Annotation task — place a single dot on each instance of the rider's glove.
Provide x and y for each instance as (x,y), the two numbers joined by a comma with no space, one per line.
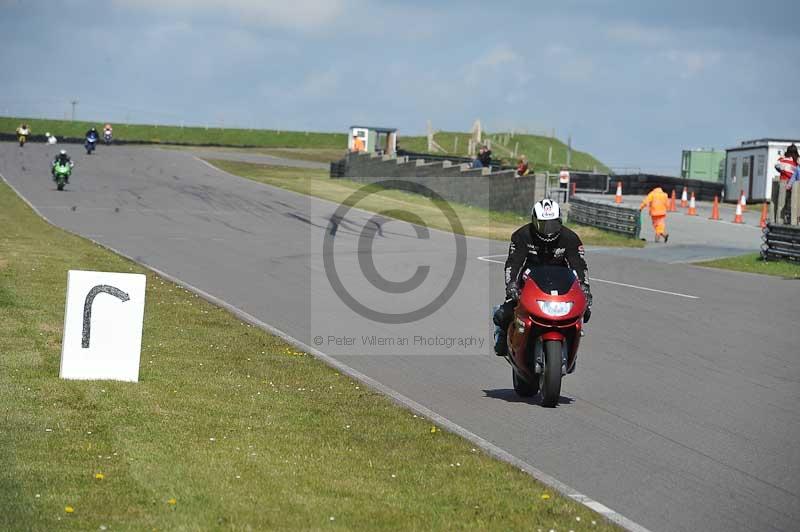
(588,312)
(512,292)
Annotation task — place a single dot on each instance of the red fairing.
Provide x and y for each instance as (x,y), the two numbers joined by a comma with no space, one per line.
(531,293)
(531,326)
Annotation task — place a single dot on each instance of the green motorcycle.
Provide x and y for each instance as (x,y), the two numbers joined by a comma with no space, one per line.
(61,173)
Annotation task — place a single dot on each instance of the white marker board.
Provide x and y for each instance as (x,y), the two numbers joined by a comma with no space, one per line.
(103,326)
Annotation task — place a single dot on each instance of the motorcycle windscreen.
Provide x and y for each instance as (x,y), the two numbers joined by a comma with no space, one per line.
(553,278)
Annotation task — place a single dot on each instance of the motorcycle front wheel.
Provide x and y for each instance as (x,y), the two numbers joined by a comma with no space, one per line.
(550,379)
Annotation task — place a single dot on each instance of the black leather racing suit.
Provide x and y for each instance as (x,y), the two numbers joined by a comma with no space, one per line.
(527,250)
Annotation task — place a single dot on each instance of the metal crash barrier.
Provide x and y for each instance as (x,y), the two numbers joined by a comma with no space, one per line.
(781,242)
(622,220)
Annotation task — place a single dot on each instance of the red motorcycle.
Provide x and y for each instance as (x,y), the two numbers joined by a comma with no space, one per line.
(544,336)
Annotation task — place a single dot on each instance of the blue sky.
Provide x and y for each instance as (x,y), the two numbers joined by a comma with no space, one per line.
(632,82)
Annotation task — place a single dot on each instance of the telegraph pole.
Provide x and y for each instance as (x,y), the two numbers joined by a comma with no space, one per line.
(74,103)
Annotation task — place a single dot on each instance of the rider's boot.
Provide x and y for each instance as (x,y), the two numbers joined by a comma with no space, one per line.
(500,344)
(500,341)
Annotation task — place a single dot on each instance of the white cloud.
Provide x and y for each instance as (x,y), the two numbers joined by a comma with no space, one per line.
(295,14)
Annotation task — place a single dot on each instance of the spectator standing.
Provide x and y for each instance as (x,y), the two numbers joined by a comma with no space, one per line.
(787,164)
(522,167)
(358,144)
(485,157)
(787,168)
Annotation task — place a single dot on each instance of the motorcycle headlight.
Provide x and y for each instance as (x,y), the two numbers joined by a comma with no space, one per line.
(555,308)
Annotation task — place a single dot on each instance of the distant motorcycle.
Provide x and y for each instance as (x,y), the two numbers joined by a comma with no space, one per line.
(22,137)
(61,173)
(91,144)
(107,138)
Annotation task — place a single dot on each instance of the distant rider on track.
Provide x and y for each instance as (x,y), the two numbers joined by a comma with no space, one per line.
(544,241)
(61,158)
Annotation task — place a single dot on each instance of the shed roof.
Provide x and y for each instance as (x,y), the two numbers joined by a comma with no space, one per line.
(760,143)
(378,129)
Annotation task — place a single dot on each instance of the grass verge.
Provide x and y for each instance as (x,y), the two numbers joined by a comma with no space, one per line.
(229,428)
(318,155)
(476,222)
(752,263)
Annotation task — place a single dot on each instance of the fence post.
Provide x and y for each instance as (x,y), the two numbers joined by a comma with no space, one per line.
(780,204)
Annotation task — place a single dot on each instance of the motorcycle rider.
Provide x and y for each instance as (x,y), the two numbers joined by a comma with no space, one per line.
(92,133)
(544,241)
(23,130)
(61,158)
(108,131)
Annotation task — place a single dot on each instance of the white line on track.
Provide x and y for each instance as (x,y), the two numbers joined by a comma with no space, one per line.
(490,258)
(490,448)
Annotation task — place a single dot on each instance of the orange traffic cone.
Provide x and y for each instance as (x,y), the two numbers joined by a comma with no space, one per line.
(743,201)
(684,199)
(763,222)
(738,218)
(692,207)
(715,209)
(671,207)
(618,197)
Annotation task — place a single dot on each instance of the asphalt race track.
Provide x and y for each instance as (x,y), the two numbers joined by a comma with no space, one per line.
(682,415)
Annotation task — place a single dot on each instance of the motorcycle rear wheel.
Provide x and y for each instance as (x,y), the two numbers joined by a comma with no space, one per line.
(523,387)
(550,379)
(60,185)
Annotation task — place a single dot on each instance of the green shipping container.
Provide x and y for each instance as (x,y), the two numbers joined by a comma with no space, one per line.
(706,165)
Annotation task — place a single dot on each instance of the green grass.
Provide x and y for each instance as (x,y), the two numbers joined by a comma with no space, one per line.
(187,135)
(319,155)
(476,222)
(229,428)
(753,263)
(534,146)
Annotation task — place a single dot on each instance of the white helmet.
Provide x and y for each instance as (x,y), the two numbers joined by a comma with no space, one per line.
(63,152)
(546,219)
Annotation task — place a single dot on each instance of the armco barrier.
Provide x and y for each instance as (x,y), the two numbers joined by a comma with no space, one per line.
(781,242)
(641,184)
(433,157)
(622,220)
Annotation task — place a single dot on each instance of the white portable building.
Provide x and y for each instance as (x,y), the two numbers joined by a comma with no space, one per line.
(750,167)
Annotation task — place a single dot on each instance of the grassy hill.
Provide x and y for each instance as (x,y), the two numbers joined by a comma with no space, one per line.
(453,143)
(503,145)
